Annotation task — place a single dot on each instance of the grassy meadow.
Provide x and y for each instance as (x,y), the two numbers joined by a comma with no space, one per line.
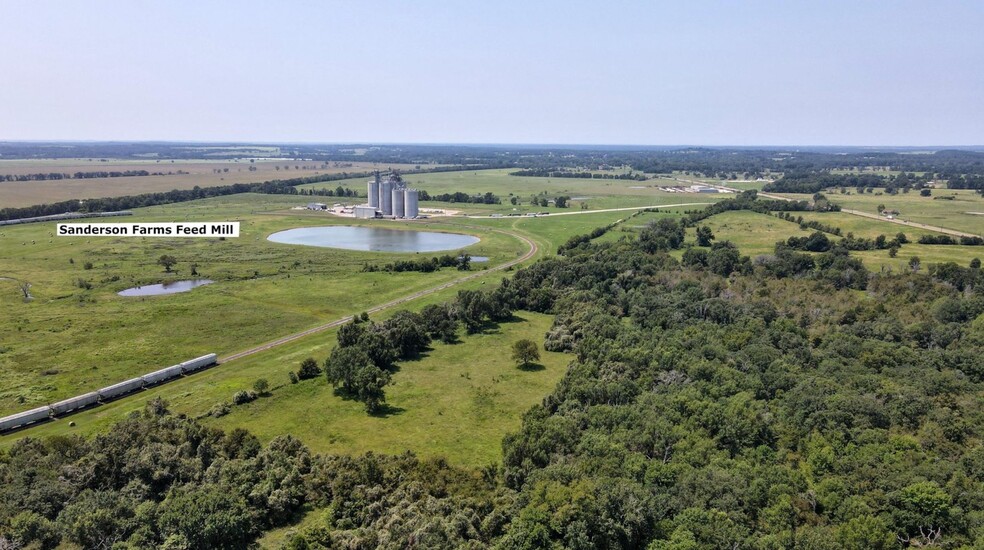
(933,211)
(597,194)
(68,339)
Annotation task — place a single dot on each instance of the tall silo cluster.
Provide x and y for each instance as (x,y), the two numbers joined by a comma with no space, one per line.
(392,197)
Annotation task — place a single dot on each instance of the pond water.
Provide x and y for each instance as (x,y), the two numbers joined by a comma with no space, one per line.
(479,259)
(172,287)
(373,239)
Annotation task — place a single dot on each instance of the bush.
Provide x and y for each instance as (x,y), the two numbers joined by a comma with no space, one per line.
(242,397)
(219,410)
(309,369)
(293,377)
(261,386)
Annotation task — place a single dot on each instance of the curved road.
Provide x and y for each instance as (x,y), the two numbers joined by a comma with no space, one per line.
(338,322)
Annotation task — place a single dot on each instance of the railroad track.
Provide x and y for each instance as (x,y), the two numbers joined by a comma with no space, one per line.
(533,249)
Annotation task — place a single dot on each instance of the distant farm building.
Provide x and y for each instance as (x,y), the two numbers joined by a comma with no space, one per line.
(317,206)
(365,211)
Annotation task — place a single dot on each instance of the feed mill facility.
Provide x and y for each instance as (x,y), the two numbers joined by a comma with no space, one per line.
(389,198)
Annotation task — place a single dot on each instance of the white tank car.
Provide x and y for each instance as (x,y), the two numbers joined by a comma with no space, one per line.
(24,418)
(121,388)
(75,403)
(161,375)
(199,362)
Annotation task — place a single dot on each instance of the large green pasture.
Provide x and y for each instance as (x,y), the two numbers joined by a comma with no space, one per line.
(69,340)
(596,193)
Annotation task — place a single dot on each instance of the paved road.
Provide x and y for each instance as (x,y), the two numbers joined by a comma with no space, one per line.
(553,214)
(338,322)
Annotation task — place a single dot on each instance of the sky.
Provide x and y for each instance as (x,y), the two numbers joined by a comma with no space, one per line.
(438,71)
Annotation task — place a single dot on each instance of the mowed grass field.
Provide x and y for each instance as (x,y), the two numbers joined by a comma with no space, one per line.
(184,174)
(69,340)
(596,193)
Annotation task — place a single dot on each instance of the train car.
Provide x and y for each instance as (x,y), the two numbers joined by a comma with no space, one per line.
(162,375)
(24,418)
(199,362)
(122,388)
(74,403)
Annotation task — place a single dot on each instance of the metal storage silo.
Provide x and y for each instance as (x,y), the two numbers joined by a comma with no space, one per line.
(398,201)
(386,197)
(411,208)
(373,193)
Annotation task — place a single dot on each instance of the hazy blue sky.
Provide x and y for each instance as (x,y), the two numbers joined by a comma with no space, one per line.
(687,72)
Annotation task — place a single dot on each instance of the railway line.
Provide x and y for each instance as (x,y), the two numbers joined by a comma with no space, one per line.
(533,249)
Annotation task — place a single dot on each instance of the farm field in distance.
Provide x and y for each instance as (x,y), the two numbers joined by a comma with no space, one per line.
(184,174)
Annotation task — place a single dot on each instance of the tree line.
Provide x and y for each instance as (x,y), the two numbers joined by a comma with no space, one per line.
(581,174)
(458,196)
(81,175)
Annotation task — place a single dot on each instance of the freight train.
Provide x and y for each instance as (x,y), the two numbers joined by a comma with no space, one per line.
(110,392)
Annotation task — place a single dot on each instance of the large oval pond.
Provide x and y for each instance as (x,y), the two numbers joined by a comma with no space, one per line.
(373,239)
(172,287)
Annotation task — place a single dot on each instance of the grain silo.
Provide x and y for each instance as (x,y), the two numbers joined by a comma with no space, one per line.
(386,197)
(374,193)
(398,201)
(411,208)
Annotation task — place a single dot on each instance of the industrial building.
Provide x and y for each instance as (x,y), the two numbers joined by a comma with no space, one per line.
(389,198)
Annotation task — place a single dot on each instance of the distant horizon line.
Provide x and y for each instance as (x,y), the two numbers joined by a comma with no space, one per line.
(935,147)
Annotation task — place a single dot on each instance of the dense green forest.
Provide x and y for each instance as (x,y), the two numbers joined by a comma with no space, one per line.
(791,401)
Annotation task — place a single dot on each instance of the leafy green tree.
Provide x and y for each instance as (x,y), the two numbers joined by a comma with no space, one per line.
(261,386)
(30,528)
(379,348)
(723,258)
(661,235)
(209,517)
(369,383)
(309,369)
(343,364)
(704,236)
(167,262)
(349,333)
(525,352)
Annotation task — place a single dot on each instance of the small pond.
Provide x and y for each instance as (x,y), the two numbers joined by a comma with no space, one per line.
(479,259)
(373,239)
(172,287)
